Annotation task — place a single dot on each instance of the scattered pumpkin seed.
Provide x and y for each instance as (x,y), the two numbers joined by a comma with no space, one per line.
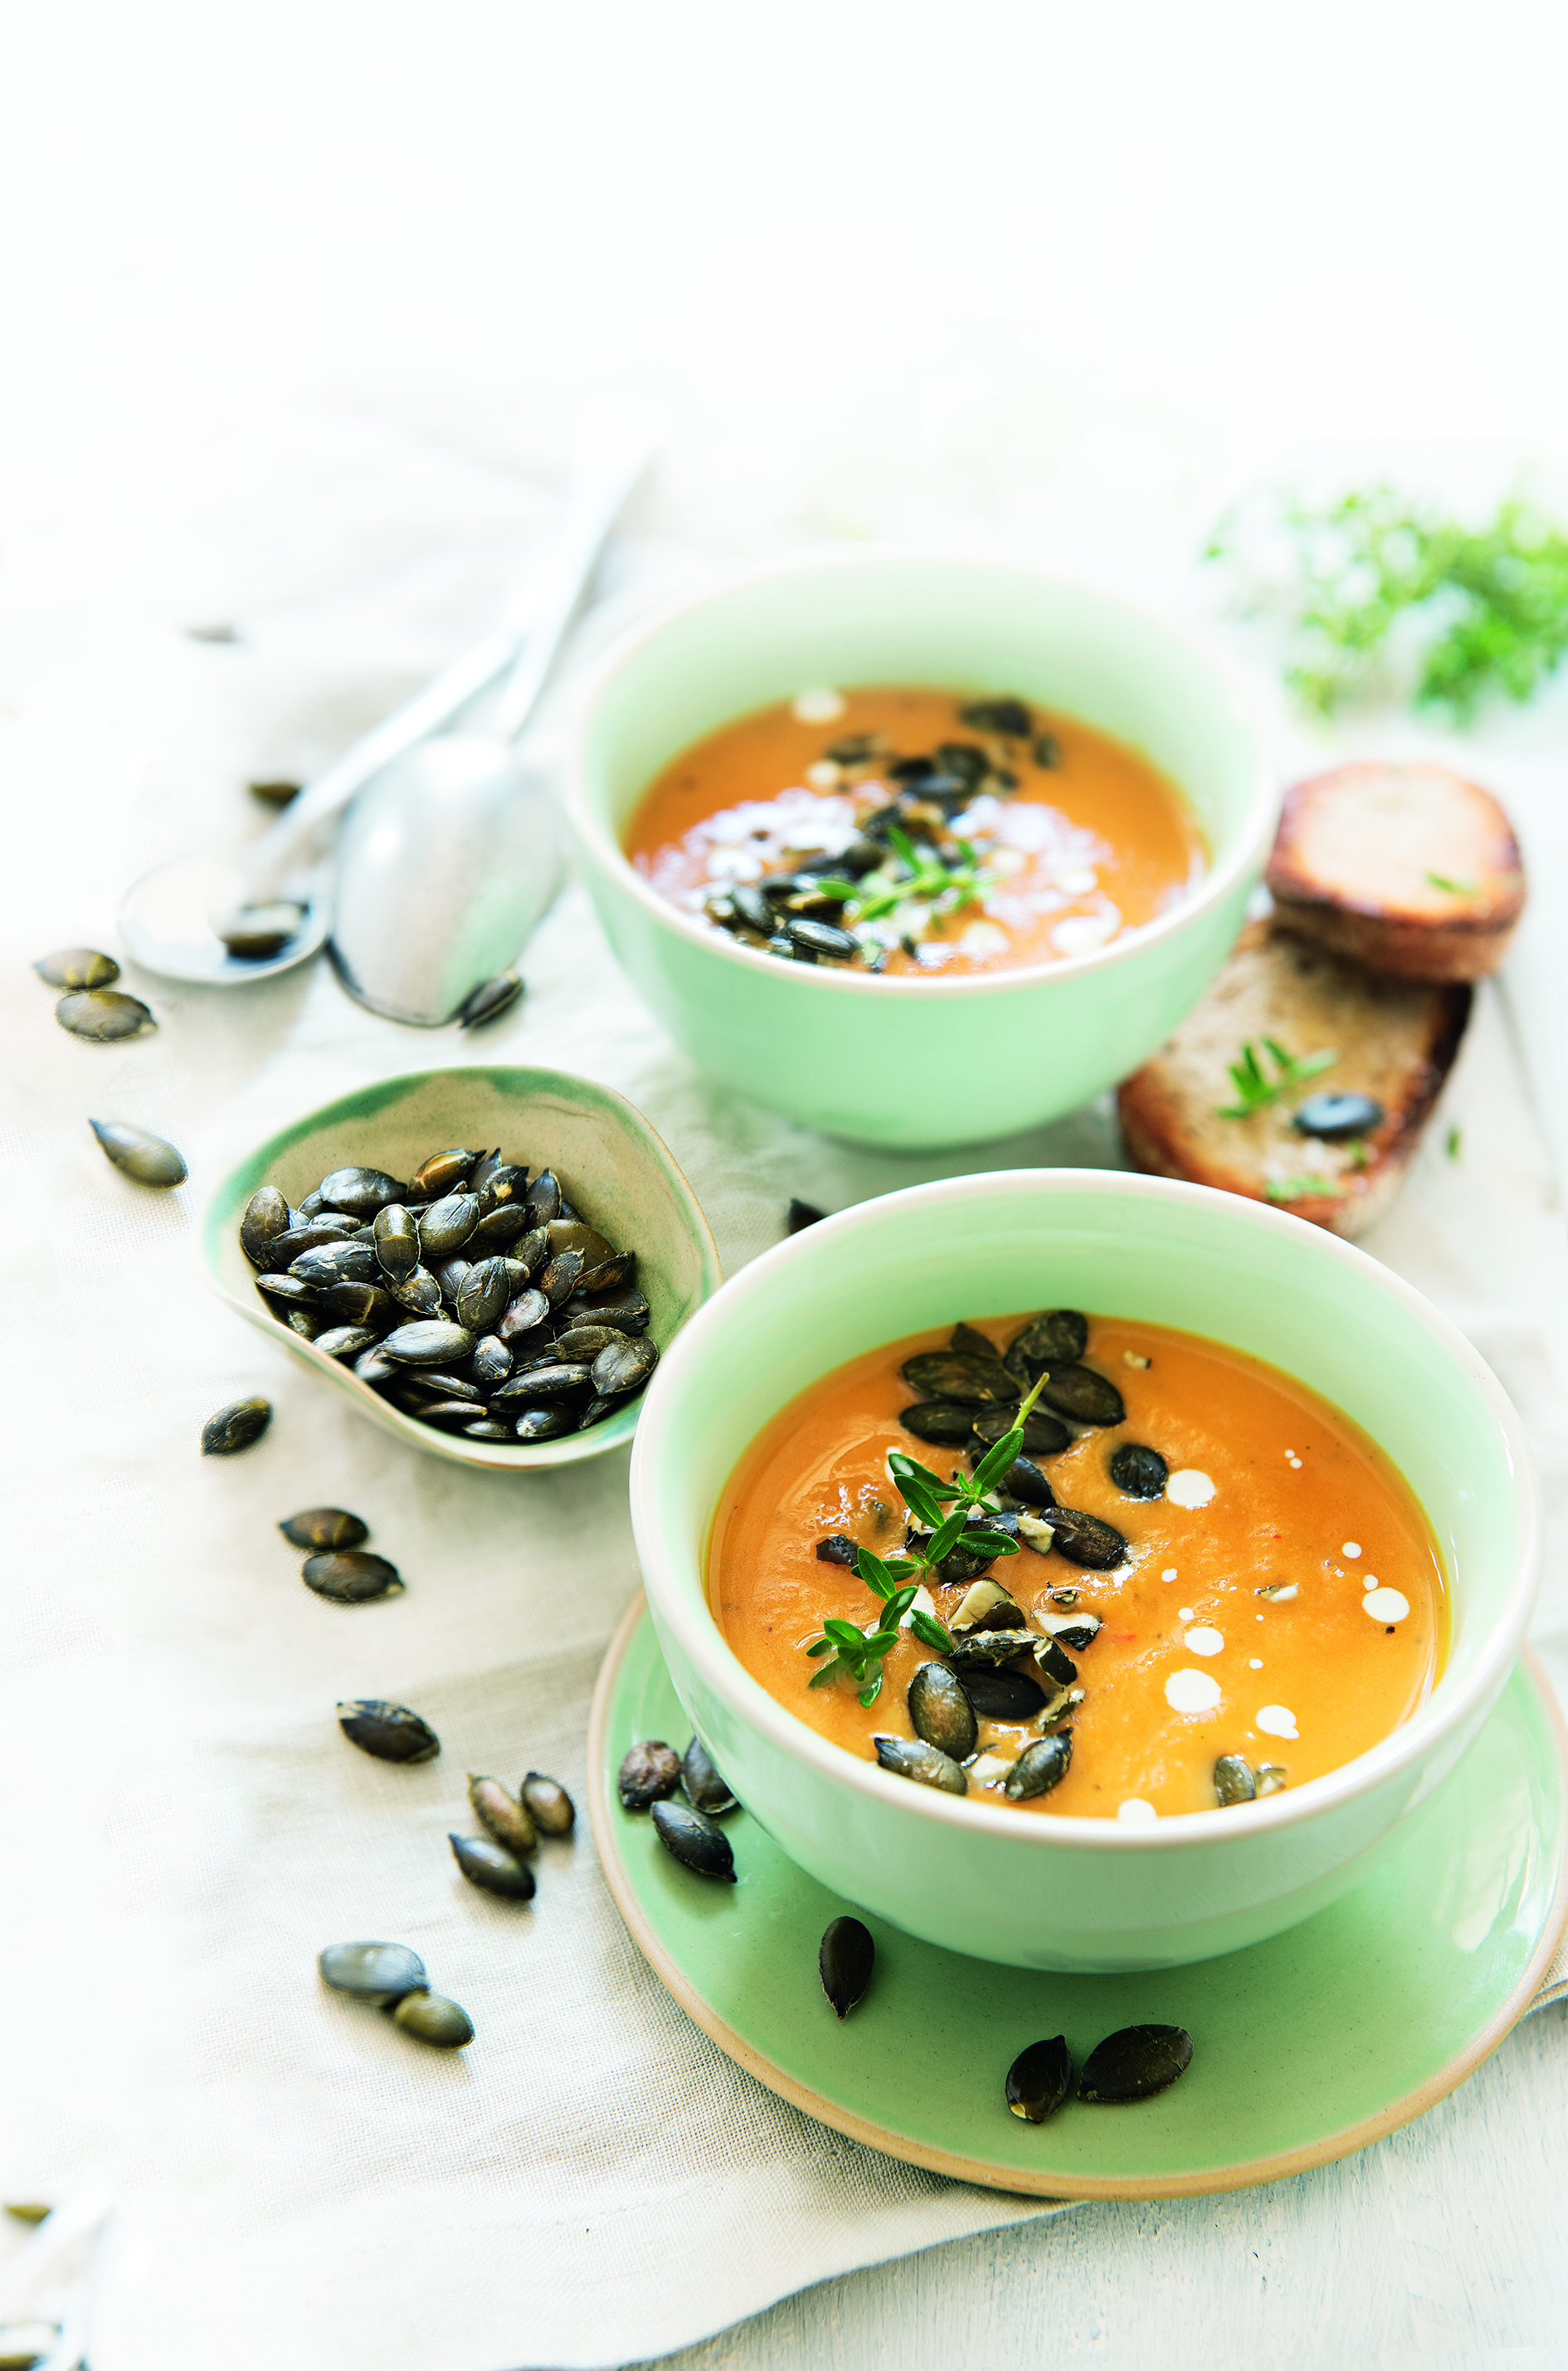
(844,1959)
(432,2018)
(103,1014)
(145,1158)
(1134,2063)
(1040,2079)
(392,1732)
(78,967)
(492,1868)
(235,1427)
(694,1839)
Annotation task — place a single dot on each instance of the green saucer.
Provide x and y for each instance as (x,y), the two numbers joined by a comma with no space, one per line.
(1305,2047)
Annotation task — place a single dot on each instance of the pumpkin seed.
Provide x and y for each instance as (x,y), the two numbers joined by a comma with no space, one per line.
(392,1732)
(1038,1767)
(549,1805)
(1040,2079)
(926,1764)
(78,967)
(651,1771)
(701,1785)
(845,1957)
(101,1015)
(694,1840)
(508,1820)
(491,1867)
(145,1158)
(1233,1780)
(1134,2063)
(940,1712)
(374,1973)
(432,2018)
(235,1427)
(351,1575)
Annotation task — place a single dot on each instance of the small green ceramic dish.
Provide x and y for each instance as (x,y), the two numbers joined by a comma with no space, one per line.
(1077,1893)
(841,1050)
(1306,2048)
(618,1172)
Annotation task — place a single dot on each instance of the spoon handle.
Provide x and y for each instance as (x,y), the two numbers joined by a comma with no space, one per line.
(613,447)
(290,842)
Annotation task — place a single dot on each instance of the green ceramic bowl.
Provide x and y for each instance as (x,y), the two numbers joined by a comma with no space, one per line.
(841,1050)
(618,1172)
(1079,1893)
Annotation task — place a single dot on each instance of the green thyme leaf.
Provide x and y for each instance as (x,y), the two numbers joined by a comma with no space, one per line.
(1255,1090)
(1485,606)
(931,1633)
(1297,1189)
(1451,888)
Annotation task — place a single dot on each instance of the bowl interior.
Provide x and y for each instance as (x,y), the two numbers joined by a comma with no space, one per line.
(892,617)
(614,1167)
(1174,1255)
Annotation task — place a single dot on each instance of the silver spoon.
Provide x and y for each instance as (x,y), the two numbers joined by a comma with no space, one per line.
(451,856)
(169,919)
(173,920)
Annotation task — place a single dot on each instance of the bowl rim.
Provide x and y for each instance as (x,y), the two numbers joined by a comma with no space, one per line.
(1253,838)
(489,1456)
(701,1639)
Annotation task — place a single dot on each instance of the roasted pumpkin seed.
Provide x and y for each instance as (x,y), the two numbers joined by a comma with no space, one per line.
(926,1765)
(392,1732)
(103,1014)
(491,1867)
(78,967)
(549,1805)
(351,1575)
(1038,1767)
(940,1712)
(651,1771)
(694,1840)
(432,2018)
(1134,2063)
(701,1785)
(846,1958)
(374,1973)
(148,1159)
(1040,2079)
(1233,1780)
(235,1427)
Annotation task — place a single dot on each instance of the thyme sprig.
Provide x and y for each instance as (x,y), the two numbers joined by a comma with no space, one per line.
(943,1508)
(1255,1090)
(1354,581)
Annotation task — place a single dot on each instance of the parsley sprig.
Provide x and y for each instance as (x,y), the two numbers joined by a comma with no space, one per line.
(1255,1090)
(944,1508)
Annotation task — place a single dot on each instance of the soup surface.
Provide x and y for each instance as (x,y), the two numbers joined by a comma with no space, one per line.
(1280,1601)
(903,830)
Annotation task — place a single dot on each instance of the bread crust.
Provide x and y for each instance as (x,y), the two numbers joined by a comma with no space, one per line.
(1396,1041)
(1409,869)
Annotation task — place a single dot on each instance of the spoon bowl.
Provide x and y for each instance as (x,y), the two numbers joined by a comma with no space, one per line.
(166,922)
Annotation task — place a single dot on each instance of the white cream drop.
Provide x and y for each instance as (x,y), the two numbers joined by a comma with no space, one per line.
(823,774)
(1169,1573)
(1254,1662)
(1189,1487)
(1279,1720)
(1384,1606)
(984,939)
(1192,1692)
(820,704)
(1205,1641)
(1137,1812)
(1081,935)
(1186,1614)
(1352,1548)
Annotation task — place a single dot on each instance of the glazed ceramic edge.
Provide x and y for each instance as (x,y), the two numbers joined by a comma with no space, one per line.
(1231,1875)
(219,1220)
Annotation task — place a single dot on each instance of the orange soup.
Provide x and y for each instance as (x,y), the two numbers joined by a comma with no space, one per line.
(916,831)
(1227,1587)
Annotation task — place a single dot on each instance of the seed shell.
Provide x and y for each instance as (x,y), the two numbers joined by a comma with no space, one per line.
(432,2018)
(489,1000)
(325,1527)
(78,967)
(374,1973)
(650,1772)
(1040,2079)
(846,1958)
(491,1867)
(701,1785)
(694,1840)
(392,1732)
(509,1821)
(350,1577)
(926,1765)
(235,1427)
(1134,2063)
(1038,1767)
(940,1712)
(103,1014)
(148,1159)
(553,1811)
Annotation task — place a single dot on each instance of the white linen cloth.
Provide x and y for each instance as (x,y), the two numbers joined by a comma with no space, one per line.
(184,1826)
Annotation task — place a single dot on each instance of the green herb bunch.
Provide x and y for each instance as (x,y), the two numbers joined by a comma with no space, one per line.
(1486,608)
(859,1656)
(1255,1090)
(929,882)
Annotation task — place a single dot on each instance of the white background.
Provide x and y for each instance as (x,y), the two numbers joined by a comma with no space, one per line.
(1060,279)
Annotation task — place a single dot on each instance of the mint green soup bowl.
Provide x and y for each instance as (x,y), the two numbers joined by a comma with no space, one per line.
(856,1055)
(971,1873)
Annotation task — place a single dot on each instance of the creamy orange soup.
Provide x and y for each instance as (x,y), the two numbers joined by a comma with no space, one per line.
(1281,1601)
(1029,845)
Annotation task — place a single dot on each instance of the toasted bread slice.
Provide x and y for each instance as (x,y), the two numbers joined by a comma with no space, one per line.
(1409,868)
(1394,1042)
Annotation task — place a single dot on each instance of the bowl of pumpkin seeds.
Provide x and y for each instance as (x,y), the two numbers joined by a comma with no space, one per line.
(489,1262)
